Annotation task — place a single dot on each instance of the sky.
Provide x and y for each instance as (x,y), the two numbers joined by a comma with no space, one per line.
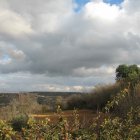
(66,45)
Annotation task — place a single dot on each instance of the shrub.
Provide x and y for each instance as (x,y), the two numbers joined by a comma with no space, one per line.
(6,131)
(97,99)
(76,101)
(19,122)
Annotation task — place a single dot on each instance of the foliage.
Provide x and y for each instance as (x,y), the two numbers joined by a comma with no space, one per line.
(103,128)
(6,131)
(19,122)
(95,100)
(128,74)
(115,128)
(116,100)
(21,104)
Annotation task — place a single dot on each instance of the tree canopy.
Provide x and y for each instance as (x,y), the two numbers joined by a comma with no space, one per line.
(128,74)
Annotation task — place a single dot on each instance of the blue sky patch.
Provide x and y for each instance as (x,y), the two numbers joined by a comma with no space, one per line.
(113,1)
(5,57)
(80,4)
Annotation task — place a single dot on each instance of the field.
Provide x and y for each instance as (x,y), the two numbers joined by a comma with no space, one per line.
(85,117)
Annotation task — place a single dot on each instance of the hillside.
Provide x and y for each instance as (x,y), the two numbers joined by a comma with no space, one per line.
(42,97)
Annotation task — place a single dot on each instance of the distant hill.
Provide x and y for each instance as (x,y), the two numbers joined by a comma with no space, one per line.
(42,97)
(56,93)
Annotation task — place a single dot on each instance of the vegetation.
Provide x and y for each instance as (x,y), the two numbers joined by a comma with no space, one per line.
(95,100)
(45,100)
(109,123)
(129,78)
(128,74)
(19,122)
(102,128)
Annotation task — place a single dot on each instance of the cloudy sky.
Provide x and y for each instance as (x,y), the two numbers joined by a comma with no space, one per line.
(66,45)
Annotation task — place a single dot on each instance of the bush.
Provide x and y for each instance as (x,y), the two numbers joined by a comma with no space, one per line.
(19,122)
(97,99)
(76,101)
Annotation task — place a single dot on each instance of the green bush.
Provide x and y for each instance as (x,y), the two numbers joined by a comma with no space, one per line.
(19,122)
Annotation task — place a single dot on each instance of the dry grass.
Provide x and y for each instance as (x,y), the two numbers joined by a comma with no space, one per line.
(85,117)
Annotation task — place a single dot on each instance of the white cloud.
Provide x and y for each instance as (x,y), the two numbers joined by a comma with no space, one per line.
(13,24)
(103,70)
(62,88)
(102,11)
(16,54)
(71,50)
(9,52)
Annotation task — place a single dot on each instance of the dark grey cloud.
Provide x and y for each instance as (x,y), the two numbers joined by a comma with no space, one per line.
(49,38)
